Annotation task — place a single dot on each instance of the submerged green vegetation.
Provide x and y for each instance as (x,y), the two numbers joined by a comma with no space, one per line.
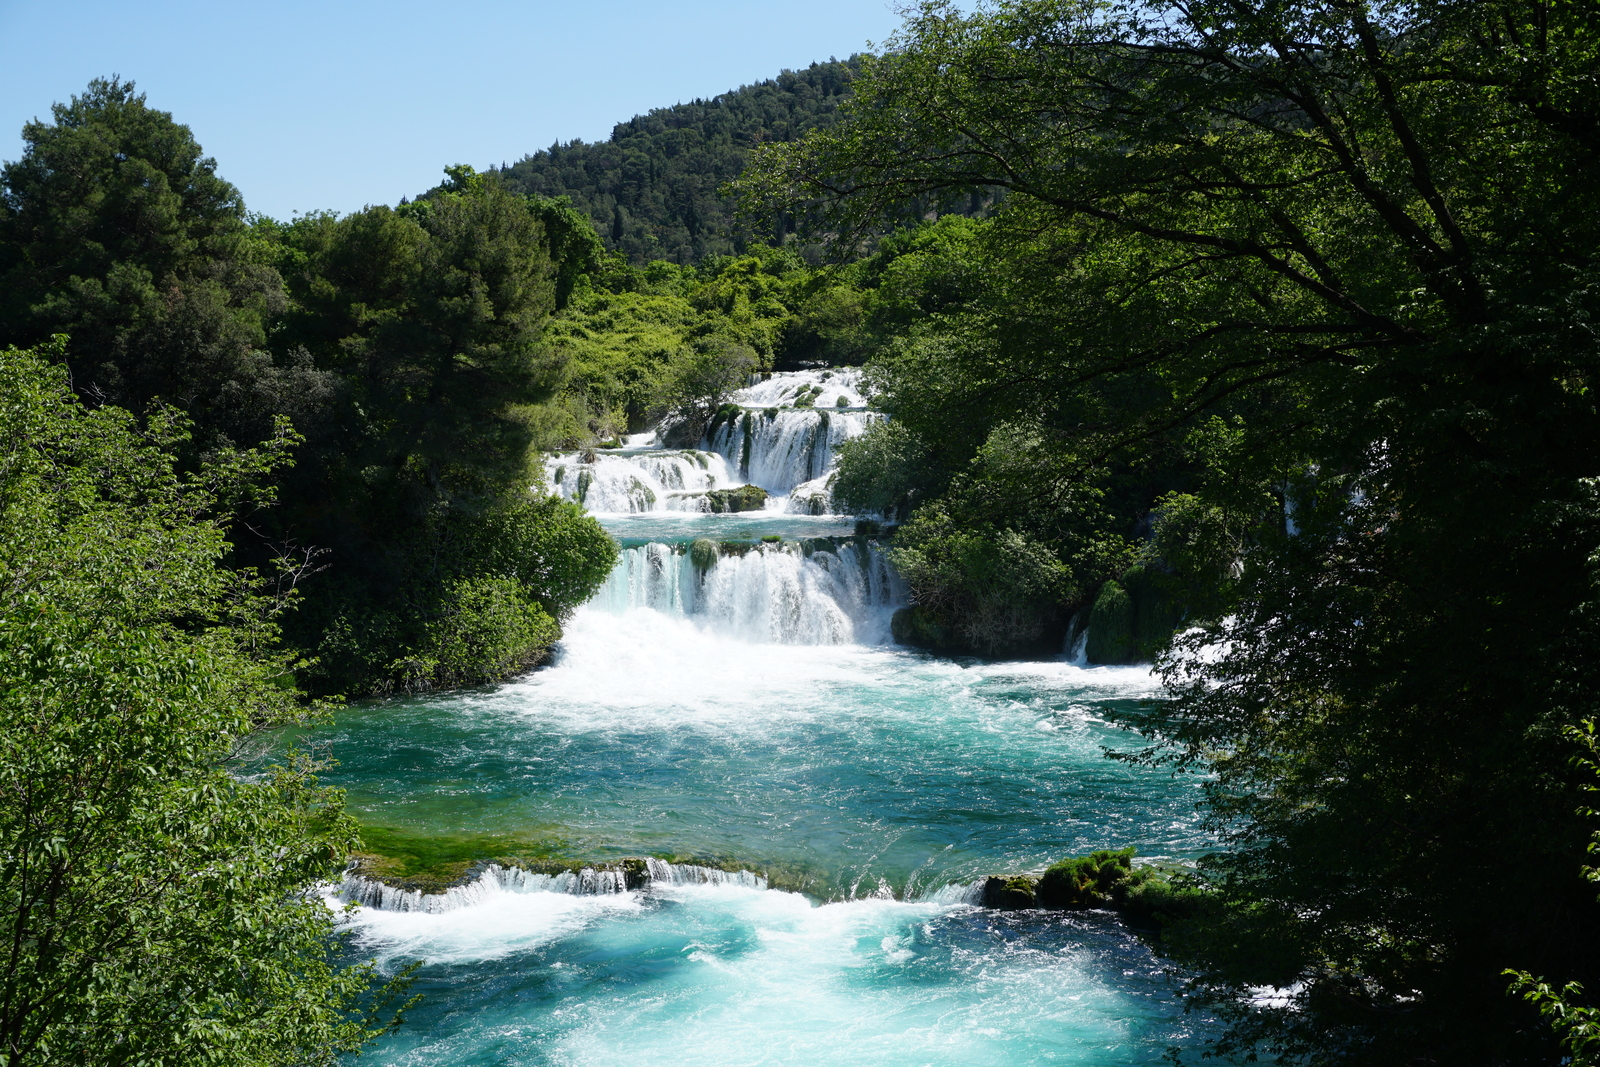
(432,863)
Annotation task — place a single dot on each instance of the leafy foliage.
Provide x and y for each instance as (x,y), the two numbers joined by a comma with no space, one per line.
(1307,290)
(1096,880)
(114,229)
(154,892)
(406,347)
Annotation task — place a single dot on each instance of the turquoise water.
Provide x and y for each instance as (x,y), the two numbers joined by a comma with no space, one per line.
(871,778)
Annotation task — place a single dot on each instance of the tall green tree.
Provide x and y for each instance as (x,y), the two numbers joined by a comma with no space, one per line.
(433,317)
(116,230)
(1340,255)
(406,349)
(156,881)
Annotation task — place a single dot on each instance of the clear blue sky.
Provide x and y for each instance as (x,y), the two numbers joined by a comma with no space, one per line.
(342,103)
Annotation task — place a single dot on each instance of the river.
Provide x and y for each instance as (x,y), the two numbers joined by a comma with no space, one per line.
(748,711)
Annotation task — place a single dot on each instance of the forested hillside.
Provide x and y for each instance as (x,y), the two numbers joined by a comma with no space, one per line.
(653,188)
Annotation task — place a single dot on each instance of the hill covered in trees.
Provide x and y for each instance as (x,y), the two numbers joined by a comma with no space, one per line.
(652,189)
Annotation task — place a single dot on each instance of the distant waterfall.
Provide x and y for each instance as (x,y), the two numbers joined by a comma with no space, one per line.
(782,449)
(783,436)
(623,483)
(818,592)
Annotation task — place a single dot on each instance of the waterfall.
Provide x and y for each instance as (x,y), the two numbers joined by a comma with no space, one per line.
(622,483)
(956,893)
(780,433)
(819,592)
(664,873)
(782,449)
(817,388)
(496,880)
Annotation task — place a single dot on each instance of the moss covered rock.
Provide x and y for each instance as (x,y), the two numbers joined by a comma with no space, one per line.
(1100,879)
(744,498)
(635,873)
(1111,626)
(1156,902)
(1155,615)
(433,863)
(1010,893)
(1131,618)
(703,553)
(812,545)
(917,627)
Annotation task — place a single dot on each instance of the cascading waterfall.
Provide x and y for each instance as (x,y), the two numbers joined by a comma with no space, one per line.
(731,690)
(664,873)
(624,483)
(770,442)
(818,592)
(788,451)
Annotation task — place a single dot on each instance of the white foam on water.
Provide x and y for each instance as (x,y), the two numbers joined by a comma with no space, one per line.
(644,669)
(492,882)
(665,875)
(770,978)
(494,926)
(628,482)
(786,450)
(970,893)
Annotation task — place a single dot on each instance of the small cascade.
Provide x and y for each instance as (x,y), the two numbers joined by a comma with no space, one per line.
(956,893)
(780,433)
(624,483)
(664,873)
(822,389)
(817,592)
(497,880)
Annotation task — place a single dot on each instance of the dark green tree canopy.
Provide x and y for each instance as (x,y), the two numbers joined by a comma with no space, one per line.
(652,189)
(117,231)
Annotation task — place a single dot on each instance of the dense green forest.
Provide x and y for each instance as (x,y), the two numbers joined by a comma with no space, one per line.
(397,350)
(653,189)
(1287,323)
(154,870)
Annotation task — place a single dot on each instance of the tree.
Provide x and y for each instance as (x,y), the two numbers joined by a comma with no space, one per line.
(433,315)
(1340,256)
(115,229)
(155,887)
(407,350)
